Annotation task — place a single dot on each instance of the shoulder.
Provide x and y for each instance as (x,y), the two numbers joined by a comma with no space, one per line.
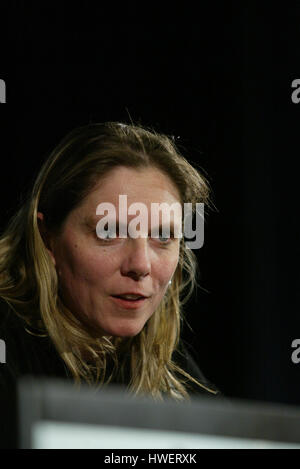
(11,326)
(10,336)
(185,357)
(26,352)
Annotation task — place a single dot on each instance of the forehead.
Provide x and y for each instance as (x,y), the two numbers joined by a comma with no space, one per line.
(139,185)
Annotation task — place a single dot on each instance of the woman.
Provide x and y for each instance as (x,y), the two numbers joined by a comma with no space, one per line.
(63,285)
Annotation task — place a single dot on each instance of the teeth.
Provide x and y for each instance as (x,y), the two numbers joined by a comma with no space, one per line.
(130,297)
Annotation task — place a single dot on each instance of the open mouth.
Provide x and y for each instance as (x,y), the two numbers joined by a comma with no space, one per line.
(128,298)
(129,303)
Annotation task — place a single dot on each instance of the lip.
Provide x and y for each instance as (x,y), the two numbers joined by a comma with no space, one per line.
(129,304)
(137,293)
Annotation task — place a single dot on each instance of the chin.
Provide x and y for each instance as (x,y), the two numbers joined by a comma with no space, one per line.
(124,330)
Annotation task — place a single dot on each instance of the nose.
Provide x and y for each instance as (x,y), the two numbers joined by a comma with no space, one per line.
(136,262)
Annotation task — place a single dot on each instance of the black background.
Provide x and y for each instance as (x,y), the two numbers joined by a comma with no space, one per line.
(219,77)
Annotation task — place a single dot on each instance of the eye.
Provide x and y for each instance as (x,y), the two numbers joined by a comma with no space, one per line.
(106,235)
(163,240)
(164,236)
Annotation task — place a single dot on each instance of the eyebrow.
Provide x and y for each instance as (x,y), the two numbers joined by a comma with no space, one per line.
(91,222)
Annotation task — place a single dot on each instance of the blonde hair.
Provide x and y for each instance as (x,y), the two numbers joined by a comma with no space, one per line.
(28,278)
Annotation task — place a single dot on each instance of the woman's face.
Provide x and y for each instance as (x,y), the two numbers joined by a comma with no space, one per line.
(92,270)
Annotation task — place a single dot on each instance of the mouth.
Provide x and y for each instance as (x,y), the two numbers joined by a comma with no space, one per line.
(129,303)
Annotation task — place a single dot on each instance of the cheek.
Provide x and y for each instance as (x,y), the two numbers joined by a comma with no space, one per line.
(79,264)
(166,267)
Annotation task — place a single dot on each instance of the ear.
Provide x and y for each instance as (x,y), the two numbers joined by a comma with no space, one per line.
(45,235)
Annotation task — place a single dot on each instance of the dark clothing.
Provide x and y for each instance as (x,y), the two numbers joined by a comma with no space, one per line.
(28,354)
